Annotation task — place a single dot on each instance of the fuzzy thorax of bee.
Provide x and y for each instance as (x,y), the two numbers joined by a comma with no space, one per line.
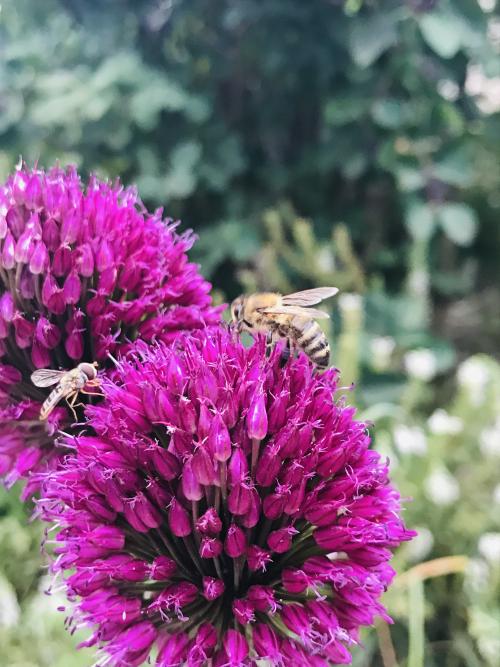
(287,317)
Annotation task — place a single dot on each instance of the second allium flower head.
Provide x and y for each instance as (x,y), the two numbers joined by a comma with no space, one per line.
(223,508)
(84,270)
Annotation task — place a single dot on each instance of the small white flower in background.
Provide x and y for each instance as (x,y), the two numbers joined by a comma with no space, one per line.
(421,545)
(9,607)
(473,375)
(477,575)
(442,423)
(485,89)
(349,302)
(421,364)
(487,5)
(418,282)
(448,89)
(410,440)
(496,494)
(441,487)
(325,259)
(489,547)
(489,440)
(381,349)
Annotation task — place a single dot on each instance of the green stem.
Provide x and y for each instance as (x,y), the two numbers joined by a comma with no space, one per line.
(416,628)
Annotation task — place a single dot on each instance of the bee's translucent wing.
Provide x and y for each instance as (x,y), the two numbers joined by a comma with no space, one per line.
(309,297)
(46,377)
(310,313)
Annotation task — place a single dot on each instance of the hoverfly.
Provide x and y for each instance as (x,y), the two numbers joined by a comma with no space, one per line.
(69,385)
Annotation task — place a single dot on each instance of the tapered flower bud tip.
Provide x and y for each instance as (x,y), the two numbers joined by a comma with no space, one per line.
(85,261)
(267,643)
(240,499)
(190,486)
(72,288)
(178,520)
(244,611)
(175,374)
(162,568)
(212,588)
(132,644)
(219,439)
(257,418)
(238,467)
(210,547)
(281,540)
(210,523)
(258,558)
(236,647)
(173,651)
(7,307)
(235,544)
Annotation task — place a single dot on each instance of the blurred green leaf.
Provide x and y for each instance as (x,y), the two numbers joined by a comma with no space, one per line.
(442,32)
(456,167)
(181,178)
(409,178)
(459,222)
(226,241)
(342,110)
(371,36)
(387,113)
(416,623)
(420,220)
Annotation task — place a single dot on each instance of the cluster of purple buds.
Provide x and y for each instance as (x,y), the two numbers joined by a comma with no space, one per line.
(222,509)
(84,271)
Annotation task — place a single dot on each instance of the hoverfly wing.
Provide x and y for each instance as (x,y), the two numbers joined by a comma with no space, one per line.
(310,313)
(46,377)
(309,297)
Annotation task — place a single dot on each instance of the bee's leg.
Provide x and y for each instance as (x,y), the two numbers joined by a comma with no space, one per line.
(285,353)
(269,343)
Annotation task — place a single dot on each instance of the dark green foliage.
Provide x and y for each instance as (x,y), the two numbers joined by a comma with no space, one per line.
(219,110)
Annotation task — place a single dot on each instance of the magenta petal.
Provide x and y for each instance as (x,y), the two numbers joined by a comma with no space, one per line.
(236,647)
(209,523)
(235,542)
(212,588)
(257,418)
(178,519)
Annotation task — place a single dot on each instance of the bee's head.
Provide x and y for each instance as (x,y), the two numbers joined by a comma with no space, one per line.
(237,311)
(90,370)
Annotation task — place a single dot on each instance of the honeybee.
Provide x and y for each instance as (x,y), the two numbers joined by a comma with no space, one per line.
(288,317)
(69,385)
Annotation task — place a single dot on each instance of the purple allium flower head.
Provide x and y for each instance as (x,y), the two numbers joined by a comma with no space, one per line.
(246,497)
(84,270)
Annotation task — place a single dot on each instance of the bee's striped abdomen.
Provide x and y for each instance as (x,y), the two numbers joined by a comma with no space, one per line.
(314,343)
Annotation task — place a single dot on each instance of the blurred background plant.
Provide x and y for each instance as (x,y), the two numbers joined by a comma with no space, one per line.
(352,143)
